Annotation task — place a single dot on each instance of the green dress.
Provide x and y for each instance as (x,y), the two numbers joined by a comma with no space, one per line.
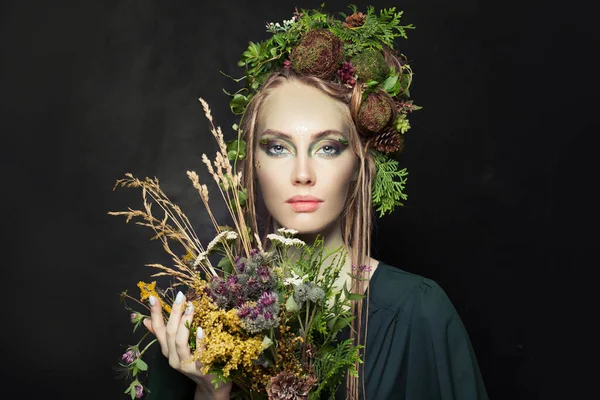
(417,346)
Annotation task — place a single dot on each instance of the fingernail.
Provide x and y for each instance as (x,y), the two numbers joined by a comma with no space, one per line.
(151,300)
(179,298)
(200,333)
(189,309)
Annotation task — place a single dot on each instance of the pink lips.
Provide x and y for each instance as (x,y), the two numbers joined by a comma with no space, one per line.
(304,203)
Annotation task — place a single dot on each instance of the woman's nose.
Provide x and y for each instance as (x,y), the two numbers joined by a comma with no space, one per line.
(303,173)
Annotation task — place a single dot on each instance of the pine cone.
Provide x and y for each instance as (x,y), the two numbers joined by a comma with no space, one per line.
(288,386)
(355,20)
(389,141)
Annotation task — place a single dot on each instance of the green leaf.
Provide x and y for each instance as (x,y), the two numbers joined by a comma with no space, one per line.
(266,343)
(355,296)
(331,323)
(279,40)
(236,150)
(225,265)
(238,103)
(131,389)
(242,194)
(137,324)
(388,186)
(346,291)
(141,364)
(341,323)
(390,82)
(291,304)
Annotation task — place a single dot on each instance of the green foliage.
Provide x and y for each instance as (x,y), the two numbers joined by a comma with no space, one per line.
(260,58)
(219,378)
(331,365)
(402,124)
(388,187)
(236,150)
(320,322)
(225,265)
(378,30)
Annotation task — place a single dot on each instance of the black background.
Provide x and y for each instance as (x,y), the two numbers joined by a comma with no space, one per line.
(500,186)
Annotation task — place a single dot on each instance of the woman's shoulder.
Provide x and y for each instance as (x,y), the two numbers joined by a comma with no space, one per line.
(412,294)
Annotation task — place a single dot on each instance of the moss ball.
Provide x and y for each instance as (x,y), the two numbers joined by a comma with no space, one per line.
(370,65)
(319,53)
(375,112)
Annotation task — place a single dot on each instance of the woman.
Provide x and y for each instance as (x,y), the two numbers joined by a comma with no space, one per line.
(310,158)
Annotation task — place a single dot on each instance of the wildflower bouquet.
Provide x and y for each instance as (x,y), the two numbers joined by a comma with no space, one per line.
(271,314)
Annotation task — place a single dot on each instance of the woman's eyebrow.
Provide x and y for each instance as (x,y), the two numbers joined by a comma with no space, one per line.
(313,137)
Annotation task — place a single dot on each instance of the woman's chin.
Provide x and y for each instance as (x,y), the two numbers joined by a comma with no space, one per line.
(305,225)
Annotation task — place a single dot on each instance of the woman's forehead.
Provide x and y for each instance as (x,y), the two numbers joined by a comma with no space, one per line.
(298,109)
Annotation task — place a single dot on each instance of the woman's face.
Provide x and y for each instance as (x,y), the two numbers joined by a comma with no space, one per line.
(303,161)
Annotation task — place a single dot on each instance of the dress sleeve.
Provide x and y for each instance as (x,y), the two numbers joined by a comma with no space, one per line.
(166,383)
(455,364)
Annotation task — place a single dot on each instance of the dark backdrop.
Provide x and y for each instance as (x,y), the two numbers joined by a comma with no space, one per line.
(499,203)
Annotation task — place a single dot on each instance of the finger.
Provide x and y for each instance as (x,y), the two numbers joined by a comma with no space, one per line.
(199,337)
(158,324)
(199,344)
(173,327)
(182,344)
(148,324)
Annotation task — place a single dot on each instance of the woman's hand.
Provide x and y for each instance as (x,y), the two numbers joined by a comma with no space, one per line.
(174,342)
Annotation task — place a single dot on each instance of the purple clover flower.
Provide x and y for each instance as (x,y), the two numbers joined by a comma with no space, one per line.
(252,287)
(254,313)
(240,266)
(130,355)
(267,298)
(264,273)
(361,268)
(232,280)
(221,288)
(139,391)
(244,311)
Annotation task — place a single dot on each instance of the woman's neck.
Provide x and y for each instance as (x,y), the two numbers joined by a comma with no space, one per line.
(332,240)
(332,236)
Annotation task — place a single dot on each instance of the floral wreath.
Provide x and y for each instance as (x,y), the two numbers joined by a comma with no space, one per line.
(349,51)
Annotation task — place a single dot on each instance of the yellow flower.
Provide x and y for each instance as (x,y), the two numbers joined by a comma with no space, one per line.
(188,257)
(146,290)
(149,289)
(224,342)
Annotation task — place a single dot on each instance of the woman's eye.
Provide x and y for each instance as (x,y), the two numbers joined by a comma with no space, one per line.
(328,150)
(276,149)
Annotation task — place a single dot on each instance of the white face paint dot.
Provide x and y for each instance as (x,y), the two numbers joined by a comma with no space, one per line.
(301,130)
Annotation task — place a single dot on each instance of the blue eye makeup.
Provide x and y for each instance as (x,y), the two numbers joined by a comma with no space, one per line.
(273,148)
(324,148)
(330,149)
